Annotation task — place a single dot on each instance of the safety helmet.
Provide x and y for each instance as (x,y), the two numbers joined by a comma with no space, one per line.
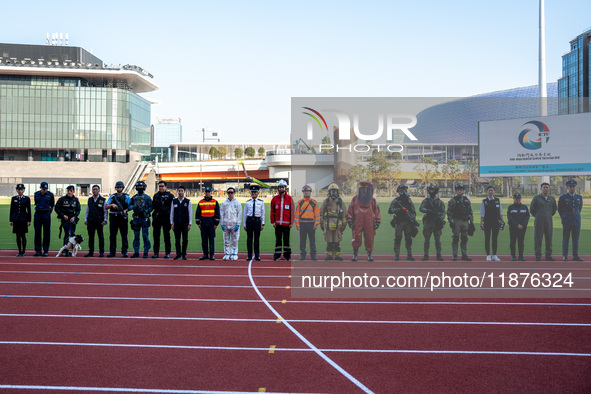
(433,189)
(306,188)
(281,183)
(119,184)
(460,186)
(401,188)
(333,186)
(140,185)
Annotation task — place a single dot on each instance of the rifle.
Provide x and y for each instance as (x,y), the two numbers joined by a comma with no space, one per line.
(139,209)
(120,209)
(412,218)
(439,221)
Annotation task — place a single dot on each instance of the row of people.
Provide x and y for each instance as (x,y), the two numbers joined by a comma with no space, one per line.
(165,213)
(364,217)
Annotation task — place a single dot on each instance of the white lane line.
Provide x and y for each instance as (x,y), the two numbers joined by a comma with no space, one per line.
(224,319)
(303,339)
(139,274)
(304,350)
(304,301)
(132,284)
(476,323)
(122,390)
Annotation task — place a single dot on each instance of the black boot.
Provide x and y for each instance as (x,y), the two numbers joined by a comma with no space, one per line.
(409,257)
(354,255)
(425,257)
(369,258)
(466,258)
(397,257)
(439,258)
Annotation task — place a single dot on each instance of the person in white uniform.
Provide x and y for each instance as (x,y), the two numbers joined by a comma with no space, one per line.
(231,217)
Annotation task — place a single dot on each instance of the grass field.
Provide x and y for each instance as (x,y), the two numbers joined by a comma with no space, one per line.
(384,240)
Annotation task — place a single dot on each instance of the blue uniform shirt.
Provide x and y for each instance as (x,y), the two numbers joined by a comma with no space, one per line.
(569,208)
(44,203)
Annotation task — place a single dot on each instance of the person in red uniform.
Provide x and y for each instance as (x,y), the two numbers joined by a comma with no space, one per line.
(282,218)
(364,216)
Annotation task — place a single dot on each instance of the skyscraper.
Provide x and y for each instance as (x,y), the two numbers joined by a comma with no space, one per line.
(574,88)
(166,132)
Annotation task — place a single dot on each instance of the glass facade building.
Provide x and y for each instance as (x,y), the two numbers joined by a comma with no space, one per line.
(167,131)
(55,112)
(574,88)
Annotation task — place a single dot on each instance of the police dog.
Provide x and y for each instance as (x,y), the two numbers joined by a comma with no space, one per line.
(73,245)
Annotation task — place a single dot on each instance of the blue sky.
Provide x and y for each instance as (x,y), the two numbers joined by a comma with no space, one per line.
(233,66)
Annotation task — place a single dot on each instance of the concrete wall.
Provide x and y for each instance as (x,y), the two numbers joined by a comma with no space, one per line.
(13,172)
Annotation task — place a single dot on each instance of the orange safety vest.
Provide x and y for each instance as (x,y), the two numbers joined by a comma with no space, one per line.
(207,208)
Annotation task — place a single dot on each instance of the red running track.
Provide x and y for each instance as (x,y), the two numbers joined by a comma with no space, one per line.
(121,325)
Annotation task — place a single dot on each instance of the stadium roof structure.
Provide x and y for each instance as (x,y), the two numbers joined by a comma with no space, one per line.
(456,122)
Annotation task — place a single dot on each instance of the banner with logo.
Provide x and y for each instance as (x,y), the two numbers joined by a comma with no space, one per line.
(550,145)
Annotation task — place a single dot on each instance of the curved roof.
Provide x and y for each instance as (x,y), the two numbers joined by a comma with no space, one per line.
(456,122)
(138,82)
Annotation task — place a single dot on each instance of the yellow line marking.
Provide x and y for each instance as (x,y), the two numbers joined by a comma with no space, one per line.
(284,301)
(287,287)
(262,390)
(279,320)
(272,349)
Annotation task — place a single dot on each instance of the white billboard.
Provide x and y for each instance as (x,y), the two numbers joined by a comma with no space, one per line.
(548,145)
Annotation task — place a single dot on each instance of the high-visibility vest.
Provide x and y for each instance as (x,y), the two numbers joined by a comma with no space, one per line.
(207,208)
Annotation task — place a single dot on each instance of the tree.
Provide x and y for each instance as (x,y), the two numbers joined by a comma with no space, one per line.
(213,152)
(261,152)
(427,170)
(497,183)
(238,153)
(472,169)
(384,172)
(326,141)
(451,170)
(533,181)
(249,152)
(356,173)
(223,151)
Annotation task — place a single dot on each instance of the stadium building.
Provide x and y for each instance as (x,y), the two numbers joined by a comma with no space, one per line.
(61,104)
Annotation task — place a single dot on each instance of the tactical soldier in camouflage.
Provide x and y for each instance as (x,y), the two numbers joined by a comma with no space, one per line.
(459,214)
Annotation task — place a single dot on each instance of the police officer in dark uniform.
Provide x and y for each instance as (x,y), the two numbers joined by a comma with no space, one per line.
(570,206)
(207,217)
(518,218)
(491,221)
(44,204)
(118,204)
(67,209)
(141,205)
(161,203)
(460,217)
(253,222)
(95,218)
(181,218)
(405,222)
(20,218)
(433,221)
